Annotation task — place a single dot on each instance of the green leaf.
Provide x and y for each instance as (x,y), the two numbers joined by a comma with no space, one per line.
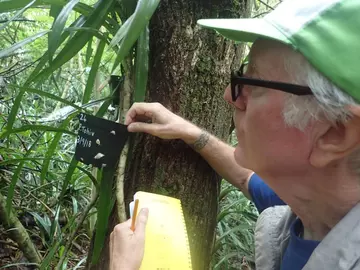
(69,174)
(49,257)
(16,175)
(55,226)
(143,12)
(94,32)
(102,110)
(93,72)
(126,8)
(43,222)
(104,209)
(79,40)
(46,94)
(225,259)
(89,51)
(8,51)
(225,191)
(17,15)
(73,165)
(51,150)
(10,5)
(34,128)
(142,66)
(45,58)
(120,34)
(58,27)
(55,10)
(75,205)
(14,110)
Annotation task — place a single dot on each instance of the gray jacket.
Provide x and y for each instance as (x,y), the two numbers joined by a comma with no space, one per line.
(339,250)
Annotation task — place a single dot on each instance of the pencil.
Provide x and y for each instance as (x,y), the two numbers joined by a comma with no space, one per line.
(134,215)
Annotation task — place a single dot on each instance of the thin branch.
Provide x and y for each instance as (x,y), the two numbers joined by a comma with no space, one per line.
(22,69)
(126,98)
(265,4)
(17,20)
(260,14)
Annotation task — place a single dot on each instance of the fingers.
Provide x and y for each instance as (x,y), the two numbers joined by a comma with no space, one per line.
(152,128)
(141,221)
(111,247)
(141,109)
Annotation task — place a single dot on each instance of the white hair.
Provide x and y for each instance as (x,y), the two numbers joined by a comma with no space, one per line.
(329,102)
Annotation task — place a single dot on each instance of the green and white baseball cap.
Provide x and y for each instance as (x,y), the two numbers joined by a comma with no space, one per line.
(326,32)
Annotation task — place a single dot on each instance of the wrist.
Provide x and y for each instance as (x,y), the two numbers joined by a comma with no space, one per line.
(190,134)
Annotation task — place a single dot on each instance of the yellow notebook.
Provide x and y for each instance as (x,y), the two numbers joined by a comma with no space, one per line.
(166,240)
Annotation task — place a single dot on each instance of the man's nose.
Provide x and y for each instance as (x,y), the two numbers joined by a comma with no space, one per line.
(227,94)
(239,103)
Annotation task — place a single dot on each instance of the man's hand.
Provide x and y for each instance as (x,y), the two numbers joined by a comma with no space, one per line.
(155,119)
(127,246)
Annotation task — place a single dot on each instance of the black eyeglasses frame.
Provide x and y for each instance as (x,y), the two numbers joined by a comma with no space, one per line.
(238,80)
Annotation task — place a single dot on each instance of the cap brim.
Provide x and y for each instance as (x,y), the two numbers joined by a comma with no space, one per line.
(246,30)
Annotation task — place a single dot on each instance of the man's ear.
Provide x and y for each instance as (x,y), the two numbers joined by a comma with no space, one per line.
(335,143)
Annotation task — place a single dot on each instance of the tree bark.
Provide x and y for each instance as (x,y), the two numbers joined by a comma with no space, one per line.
(189,70)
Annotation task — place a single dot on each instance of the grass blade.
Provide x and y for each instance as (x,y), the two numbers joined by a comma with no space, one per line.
(14,110)
(49,257)
(55,11)
(9,5)
(58,27)
(104,209)
(34,128)
(48,95)
(8,51)
(95,32)
(142,66)
(93,72)
(17,15)
(73,165)
(80,39)
(126,8)
(16,175)
(120,34)
(143,12)
(44,59)
(89,51)
(51,150)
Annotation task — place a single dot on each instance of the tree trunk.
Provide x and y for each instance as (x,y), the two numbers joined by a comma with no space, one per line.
(189,70)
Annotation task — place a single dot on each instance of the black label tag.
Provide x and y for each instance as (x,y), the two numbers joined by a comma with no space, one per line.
(99,141)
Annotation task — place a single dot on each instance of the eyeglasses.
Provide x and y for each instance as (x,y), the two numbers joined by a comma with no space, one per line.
(238,80)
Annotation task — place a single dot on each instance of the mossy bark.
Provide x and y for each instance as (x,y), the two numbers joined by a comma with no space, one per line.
(189,70)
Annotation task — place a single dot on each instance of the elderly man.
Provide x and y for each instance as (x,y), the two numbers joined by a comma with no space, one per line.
(297,118)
